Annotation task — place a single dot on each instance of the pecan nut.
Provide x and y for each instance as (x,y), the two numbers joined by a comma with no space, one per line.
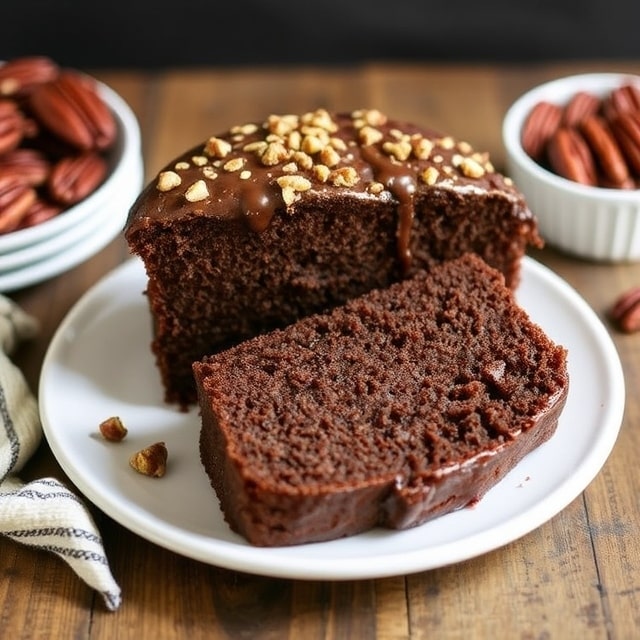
(626,129)
(11,126)
(606,150)
(582,105)
(622,100)
(539,126)
(71,109)
(151,461)
(40,211)
(75,177)
(570,156)
(29,165)
(15,199)
(626,311)
(19,76)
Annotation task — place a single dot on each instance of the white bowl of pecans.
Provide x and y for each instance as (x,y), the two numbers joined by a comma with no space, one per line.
(70,167)
(573,148)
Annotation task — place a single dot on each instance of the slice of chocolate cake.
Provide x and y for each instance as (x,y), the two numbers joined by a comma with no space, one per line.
(402,405)
(272,221)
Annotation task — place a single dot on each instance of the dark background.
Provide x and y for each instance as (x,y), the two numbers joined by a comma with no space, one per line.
(146,34)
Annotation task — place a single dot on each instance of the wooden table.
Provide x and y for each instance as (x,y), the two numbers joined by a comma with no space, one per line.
(577,576)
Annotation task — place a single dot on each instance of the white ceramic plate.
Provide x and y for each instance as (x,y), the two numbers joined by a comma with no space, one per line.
(99,365)
(76,244)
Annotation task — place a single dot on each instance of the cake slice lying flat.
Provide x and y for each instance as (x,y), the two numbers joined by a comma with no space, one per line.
(402,405)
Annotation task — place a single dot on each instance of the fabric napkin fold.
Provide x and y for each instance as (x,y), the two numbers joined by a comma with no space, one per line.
(42,513)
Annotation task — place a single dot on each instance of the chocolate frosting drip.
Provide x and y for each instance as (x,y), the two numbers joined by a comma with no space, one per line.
(401,182)
(255,170)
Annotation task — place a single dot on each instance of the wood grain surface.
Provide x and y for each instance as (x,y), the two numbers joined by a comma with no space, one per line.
(577,576)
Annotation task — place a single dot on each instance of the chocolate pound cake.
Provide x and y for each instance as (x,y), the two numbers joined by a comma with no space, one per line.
(402,405)
(271,222)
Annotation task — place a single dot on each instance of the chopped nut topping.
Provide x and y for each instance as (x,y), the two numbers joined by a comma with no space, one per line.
(399,150)
(329,156)
(344,177)
(375,188)
(291,186)
(245,175)
(289,196)
(113,429)
(197,191)
(369,135)
(297,183)
(320,118)
(235,164)
(245,129)
(168,180)
(290,167)
(321,172)
(199,161)
(151,461)
(181,166)
(422,147)
(430,175)
(371,117)
(471,168)
(303,159)
(274,154)
(217,147)
(312,145)
(259,147)
(294,140)
(446,143)
(282,125)
(209,172)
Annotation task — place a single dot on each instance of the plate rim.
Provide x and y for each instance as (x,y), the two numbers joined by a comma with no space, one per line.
(275,562)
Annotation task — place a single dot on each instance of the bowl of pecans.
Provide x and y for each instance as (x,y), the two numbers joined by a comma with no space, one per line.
(573,148)
(70,167)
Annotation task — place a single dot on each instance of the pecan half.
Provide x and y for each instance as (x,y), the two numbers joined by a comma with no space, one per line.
(622,100)
(19,76)
(626,311)
(71,108)
(570,157)
(582,105)
(15,199)
(605,149)
(28,165)
(75,177)
(626,129)
(40,211)
(539,126)
(11,126)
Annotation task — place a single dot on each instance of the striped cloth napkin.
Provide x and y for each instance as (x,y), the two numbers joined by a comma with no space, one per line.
(42,513)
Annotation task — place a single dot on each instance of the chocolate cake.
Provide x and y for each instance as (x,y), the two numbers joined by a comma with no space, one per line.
(270,222)
(401,405)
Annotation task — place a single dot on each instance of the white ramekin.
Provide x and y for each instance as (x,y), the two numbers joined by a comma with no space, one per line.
(591,222)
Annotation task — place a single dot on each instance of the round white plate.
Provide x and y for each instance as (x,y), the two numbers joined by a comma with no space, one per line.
(99,365)
(76,244)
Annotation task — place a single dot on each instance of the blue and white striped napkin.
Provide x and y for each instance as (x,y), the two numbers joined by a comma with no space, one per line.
(41,513)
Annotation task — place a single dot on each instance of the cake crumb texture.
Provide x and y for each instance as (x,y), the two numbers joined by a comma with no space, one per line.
(404,404)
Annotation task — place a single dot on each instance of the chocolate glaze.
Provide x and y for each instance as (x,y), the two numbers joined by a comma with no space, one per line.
(252,194)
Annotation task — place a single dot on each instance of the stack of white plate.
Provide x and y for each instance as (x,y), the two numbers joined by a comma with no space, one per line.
(41,252)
